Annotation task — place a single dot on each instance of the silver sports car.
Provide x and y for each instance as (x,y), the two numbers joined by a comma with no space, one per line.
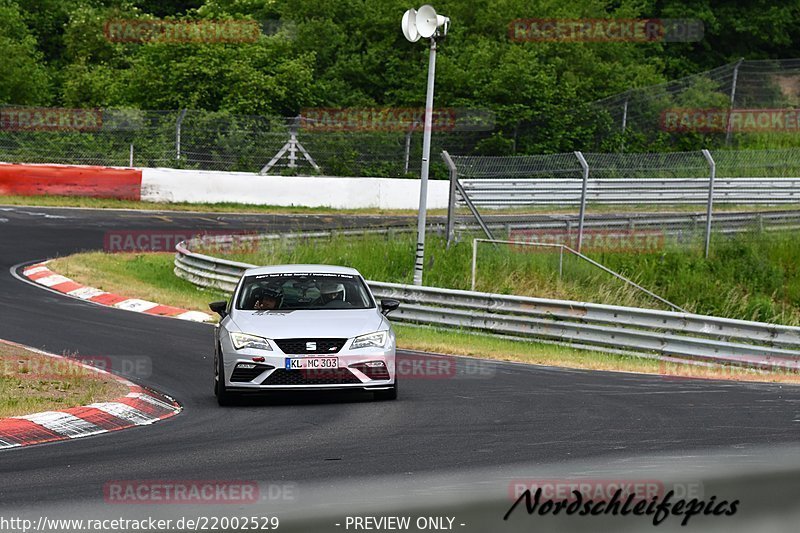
(309,327)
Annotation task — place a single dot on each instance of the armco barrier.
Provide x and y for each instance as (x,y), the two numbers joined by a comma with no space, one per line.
(668,223)
(70,180)
(498,192)
(586,324)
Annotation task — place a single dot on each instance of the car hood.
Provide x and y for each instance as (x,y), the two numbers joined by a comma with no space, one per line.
(334,323)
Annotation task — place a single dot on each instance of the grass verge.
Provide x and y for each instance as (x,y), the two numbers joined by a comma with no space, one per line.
(150,277)
(230,207)
(110,203)
(751,276)
(32,382)
(137,275)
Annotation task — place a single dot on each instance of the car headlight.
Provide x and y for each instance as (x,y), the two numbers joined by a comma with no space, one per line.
(370,340)
(243,340)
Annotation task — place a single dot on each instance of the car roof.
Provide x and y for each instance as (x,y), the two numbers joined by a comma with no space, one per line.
(301,269)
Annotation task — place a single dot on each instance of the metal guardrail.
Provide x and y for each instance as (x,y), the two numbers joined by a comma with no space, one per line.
(498,192)
(520,182)
(680,226)
(587,324)
(668,222)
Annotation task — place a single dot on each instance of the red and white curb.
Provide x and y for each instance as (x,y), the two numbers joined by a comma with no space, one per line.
(40,274)
(140,407)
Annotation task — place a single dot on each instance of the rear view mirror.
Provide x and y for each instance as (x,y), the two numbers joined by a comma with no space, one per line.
(221,308)
(388,305)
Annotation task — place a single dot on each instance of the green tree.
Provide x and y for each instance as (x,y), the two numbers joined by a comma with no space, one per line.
(25,79)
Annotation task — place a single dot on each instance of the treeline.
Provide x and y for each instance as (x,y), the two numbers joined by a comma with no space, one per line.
(351,53)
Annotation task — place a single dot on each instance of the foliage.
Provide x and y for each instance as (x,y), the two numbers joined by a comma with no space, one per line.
(347,53)
(25,79)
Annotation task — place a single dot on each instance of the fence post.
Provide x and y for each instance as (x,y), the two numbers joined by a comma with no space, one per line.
(625,115)
(293,148)
(130,159)
(733,98)
(710,206)
(582,212)
(625,119)
(408,146)
(451,202)
(178,124)
(474,263)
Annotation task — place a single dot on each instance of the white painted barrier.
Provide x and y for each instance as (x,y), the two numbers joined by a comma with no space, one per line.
(174,185)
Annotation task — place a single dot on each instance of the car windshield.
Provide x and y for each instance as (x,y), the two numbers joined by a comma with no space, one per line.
(293,291)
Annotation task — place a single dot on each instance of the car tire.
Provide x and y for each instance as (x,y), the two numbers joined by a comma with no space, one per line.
(386,395)
(224,398)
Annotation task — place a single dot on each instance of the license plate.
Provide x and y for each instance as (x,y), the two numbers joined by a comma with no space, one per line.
(302,363)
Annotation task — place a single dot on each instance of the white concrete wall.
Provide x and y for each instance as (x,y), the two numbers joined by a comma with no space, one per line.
(172,185)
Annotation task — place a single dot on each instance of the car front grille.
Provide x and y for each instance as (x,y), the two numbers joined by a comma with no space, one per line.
(332,376)
(246,375)
(301,346)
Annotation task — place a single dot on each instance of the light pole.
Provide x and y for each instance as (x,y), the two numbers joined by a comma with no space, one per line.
(427,24)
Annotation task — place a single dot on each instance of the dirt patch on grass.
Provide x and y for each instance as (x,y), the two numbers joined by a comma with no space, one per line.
(31,382)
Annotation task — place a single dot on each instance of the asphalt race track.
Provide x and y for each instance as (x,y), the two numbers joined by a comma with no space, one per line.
(516,414)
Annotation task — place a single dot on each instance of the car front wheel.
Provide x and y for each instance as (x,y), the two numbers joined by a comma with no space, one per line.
(224,397)
(387,394)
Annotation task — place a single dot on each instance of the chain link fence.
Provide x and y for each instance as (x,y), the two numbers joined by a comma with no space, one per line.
(597,203)
(703,108)
(745,103)
(217,141)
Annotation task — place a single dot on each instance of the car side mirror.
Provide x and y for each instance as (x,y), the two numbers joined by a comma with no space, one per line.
(221,308)
(388,305)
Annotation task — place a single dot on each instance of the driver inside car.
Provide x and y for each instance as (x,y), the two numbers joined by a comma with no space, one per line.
(331,292)
(266,299)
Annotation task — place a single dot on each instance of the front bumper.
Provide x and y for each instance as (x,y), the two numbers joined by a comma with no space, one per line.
(368,368)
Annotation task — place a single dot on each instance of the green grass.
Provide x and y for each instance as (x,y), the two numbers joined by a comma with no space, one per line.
(458,342)
(753,276)
(150,277)
(224,207)
(750,276)
(137,275)
(230,207)
(31,383)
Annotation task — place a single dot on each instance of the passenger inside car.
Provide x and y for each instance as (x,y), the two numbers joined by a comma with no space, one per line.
(332,294)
